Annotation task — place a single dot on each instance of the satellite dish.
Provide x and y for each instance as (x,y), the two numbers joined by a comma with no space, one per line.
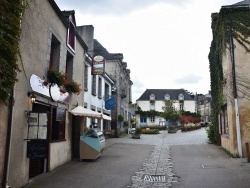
(110,103)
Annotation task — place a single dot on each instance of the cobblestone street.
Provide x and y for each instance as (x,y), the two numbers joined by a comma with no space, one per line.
(181,160)
(157,169)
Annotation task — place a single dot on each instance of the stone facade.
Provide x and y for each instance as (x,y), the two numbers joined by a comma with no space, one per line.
(232,140)
(43,26)
(117,70)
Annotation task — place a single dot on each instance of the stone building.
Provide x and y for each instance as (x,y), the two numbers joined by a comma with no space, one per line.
(41,134)
(233,82)
(204,107)
(121,90)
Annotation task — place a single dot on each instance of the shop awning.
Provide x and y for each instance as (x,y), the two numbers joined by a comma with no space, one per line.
(81,111)
(106,117)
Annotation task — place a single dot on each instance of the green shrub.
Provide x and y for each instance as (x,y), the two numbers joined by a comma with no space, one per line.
(211,134)
(150,131)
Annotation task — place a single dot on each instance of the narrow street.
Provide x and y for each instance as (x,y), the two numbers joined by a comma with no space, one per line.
(163,160)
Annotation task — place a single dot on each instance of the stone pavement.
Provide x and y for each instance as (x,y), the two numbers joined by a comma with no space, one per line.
(157,170)
(163,160)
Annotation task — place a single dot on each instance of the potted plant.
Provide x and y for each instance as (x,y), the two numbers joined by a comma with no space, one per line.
(172,129)
(137,133)
(56,77)
(73,87)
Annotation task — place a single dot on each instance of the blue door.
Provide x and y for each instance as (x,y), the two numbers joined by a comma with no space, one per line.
(143,121)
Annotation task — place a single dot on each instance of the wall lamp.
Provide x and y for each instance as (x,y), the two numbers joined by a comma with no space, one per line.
(32,97)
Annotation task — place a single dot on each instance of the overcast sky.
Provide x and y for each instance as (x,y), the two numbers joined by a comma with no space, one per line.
(164,42)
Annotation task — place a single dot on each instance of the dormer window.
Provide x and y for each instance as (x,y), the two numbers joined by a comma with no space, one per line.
(71,36)
(152,97)
(167,97)
(181,97)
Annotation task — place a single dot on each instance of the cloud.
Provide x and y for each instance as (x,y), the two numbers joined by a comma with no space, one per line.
(107,7)
(188,79)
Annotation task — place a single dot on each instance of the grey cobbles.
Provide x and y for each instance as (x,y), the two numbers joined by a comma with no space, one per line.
(157,168)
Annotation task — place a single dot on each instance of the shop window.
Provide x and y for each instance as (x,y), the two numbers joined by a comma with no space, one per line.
(58,124)
(55,53)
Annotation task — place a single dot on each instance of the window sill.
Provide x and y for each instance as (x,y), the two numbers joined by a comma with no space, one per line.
(225,136)
(54,141)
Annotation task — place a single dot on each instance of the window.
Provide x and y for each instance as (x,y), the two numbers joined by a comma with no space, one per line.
(224,121)
(152,97)
(152,106)
(71,36)
(69,66)
(99,87)
(181,107)
(106,92)
(58,126)
(181,97)
(54,53)
(152,119)
(93,84)
(86,74)
(167,97)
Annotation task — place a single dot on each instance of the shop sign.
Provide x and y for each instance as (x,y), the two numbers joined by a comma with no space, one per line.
(98,65)
(37,149)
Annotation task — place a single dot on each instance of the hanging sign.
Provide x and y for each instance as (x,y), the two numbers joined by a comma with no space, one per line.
(98,65)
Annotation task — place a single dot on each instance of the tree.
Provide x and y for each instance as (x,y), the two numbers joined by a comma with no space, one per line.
(169,112)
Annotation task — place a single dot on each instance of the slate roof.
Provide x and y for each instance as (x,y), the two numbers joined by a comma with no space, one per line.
(100,50)
(246,2)
(160,94)
(239,4)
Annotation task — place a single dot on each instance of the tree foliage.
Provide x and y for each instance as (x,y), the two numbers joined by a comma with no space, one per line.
(169,111)
(239,20)
(11,12)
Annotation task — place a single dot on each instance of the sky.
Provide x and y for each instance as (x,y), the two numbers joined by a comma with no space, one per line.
(164,42)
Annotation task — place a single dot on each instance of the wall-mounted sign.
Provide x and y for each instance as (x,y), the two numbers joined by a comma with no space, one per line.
(38,85)
(98,65)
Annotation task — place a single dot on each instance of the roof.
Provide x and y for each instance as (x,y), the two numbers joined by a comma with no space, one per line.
(100,50)
(239,4)
(64,16)
(246,2)
(160,94)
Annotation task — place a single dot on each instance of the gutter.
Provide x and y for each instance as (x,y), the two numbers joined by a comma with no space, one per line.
(8,140)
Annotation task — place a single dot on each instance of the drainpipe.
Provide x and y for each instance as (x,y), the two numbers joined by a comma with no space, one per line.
(237,119)
(8,140)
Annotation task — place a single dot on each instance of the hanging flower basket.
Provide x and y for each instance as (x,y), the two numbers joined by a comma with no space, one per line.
(56,77)
(73,87)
